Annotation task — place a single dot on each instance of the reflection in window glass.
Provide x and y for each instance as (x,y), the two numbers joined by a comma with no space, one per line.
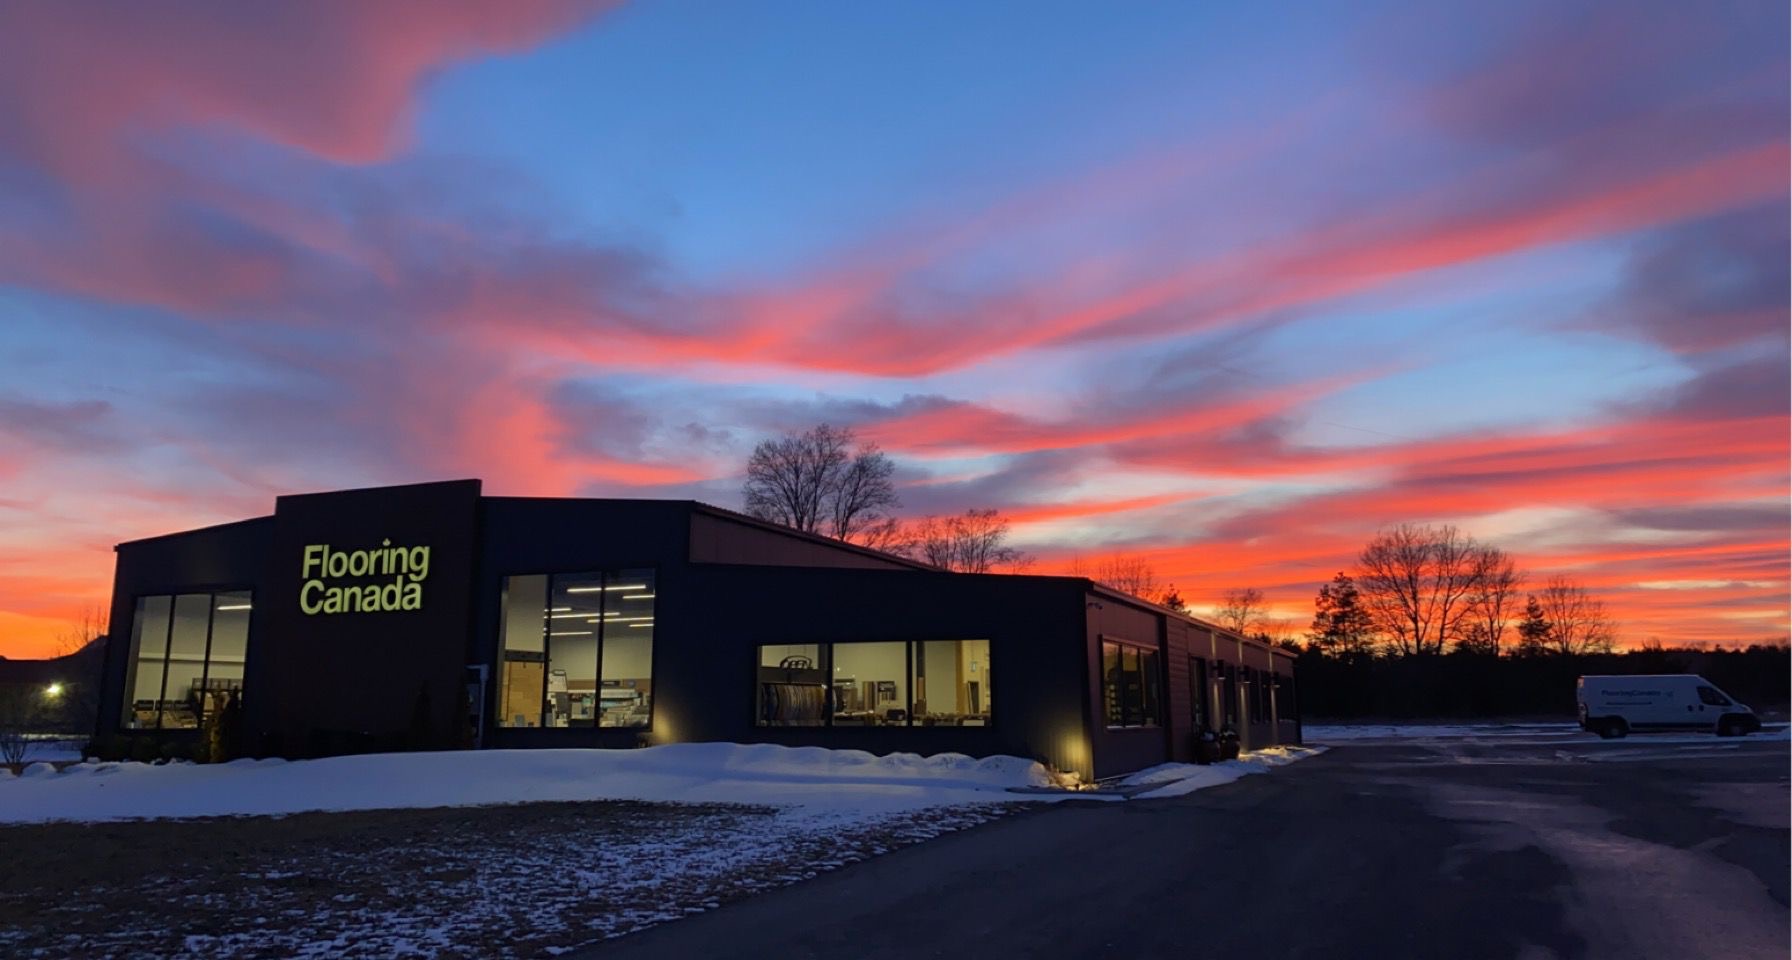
(625,696)
(793,685)
(870,684)
(187,654)
(951,683)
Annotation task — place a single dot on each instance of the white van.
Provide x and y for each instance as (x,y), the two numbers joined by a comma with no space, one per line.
(1614,706)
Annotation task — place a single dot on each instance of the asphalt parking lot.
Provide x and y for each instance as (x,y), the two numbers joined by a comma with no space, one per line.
(1514,847)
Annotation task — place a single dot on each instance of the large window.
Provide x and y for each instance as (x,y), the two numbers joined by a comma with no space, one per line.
(1130,685)
(935,683)
(187,656)
(951,683)
(793,685)
(577,650)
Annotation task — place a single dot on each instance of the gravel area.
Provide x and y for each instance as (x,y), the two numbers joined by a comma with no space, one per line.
(507,881)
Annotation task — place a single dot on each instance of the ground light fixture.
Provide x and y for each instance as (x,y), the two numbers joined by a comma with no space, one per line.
(53,691)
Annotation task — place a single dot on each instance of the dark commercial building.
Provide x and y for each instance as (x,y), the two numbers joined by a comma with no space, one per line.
(430,616)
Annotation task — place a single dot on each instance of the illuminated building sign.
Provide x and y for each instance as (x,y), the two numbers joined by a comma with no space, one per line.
(383,578)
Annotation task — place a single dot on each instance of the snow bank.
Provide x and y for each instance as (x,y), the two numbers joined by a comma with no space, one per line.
(816,779)
(1183,778)
(1511,733)
(1339,733)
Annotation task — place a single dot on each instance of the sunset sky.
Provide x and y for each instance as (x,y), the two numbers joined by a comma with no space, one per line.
(1225,286)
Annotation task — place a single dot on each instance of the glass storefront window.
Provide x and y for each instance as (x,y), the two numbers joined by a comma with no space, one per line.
(229,650)
(625,690)
(522,662)
(577,650)
(793,685)
(875,684)
(187,656)
(186,661)
(951,683)
(148,664)
(870,684)
(575,613)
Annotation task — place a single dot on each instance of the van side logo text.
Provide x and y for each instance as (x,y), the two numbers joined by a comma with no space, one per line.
(400,572)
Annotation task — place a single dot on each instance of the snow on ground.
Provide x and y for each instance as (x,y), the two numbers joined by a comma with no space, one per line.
(1342,732)
(816,779)
(1505,732)
(52,749)
(513,881)
(1182,778)
(493,866)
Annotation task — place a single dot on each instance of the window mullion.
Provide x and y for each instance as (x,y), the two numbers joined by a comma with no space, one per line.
(205,665)
(167,649)
(597,687)
(547,652)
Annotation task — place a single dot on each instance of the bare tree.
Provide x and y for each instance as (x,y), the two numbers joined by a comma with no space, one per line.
(975,541)
(1129,575)
(1577,620)
(821,481)
(1418,584)
(887,534)
(21,713)
(1495,602)
(1241,610)
(1283,632)
(89,626)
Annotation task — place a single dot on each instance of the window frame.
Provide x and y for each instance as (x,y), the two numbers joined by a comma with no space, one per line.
(1199,713)
(756,652)
(127,690)
(1151,685)
(494,694)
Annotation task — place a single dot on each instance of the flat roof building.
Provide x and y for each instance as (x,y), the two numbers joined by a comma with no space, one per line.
(431,616)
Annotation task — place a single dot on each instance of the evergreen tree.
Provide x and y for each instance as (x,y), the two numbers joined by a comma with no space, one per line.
(1533,630)
(1341,627)
(1172,598)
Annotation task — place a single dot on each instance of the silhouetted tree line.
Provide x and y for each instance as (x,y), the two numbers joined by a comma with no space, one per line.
(1466,685)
